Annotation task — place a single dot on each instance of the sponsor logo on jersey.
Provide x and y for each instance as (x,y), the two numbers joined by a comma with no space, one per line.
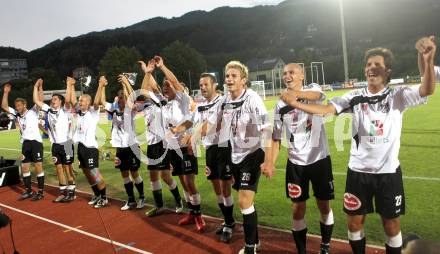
(207,171)
(376,128)
(351,202)
(117,161)
(294,190)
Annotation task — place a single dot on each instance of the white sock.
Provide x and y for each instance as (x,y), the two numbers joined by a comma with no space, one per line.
(156,185)
(249,210)
(195,199)
(299,225)
(220,199)
(173,185)
(187,196)
(138,180)
(228,201)
(394,241)
(356,236)
(327,219)
(127,180)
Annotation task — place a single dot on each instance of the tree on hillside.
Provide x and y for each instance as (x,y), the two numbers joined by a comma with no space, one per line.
(186,63)
(50,77)
(118,60)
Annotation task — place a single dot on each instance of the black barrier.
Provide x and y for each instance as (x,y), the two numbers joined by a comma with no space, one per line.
(9,172)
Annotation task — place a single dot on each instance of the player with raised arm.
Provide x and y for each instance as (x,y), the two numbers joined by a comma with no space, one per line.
(421,45)
(151,104)
(179,152)
(123,138)
(308,157)
(245,123)
(59,125)
(374,168)
(217,156)
(32,143)
(85,136)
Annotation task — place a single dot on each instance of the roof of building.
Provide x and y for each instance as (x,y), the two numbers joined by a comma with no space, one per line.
(263,64)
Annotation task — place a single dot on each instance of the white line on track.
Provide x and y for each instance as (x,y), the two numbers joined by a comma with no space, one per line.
(77,230)
(237,222)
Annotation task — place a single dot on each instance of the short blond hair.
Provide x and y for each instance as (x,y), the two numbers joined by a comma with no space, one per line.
(20,100)
(244,72)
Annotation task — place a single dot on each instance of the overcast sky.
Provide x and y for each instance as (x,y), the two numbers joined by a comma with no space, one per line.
(31,24)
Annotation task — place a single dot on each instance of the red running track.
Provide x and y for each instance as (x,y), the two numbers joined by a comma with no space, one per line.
(45,227)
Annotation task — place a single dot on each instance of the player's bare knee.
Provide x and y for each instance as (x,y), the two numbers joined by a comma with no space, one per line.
(189,181)
(323,206)
(299,210)
(38,167)
(134,174)
(154,175)
(226,189)
(391,226)
(245,199)
(217,187)
(355,223)
(125,173)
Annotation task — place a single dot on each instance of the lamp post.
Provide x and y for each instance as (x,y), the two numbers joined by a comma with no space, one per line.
(344,42)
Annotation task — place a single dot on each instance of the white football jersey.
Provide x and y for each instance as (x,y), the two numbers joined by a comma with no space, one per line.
(175,112)
(28,124)
(377,125)
(85,131)
(154,123)
(60,123)
(208,111)
(123,128)
(243,122)
(305,133)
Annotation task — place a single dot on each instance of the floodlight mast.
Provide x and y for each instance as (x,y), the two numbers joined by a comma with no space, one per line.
(344,42)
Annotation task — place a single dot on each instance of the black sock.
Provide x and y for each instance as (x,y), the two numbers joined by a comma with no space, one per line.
(40,181)
(176,194)
(27,183)
(358,247)
(102,192)
(189,205)
(300,238)
(326,232)
(222,208)
(250,222)
(63,189)
(228,213)
(157,196)
(129,190)
(140,189)
(71,188)
(393,250)
(257,240)
(196,209)
(95,190)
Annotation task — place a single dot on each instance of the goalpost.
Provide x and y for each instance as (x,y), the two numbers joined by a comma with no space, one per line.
(258,86)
